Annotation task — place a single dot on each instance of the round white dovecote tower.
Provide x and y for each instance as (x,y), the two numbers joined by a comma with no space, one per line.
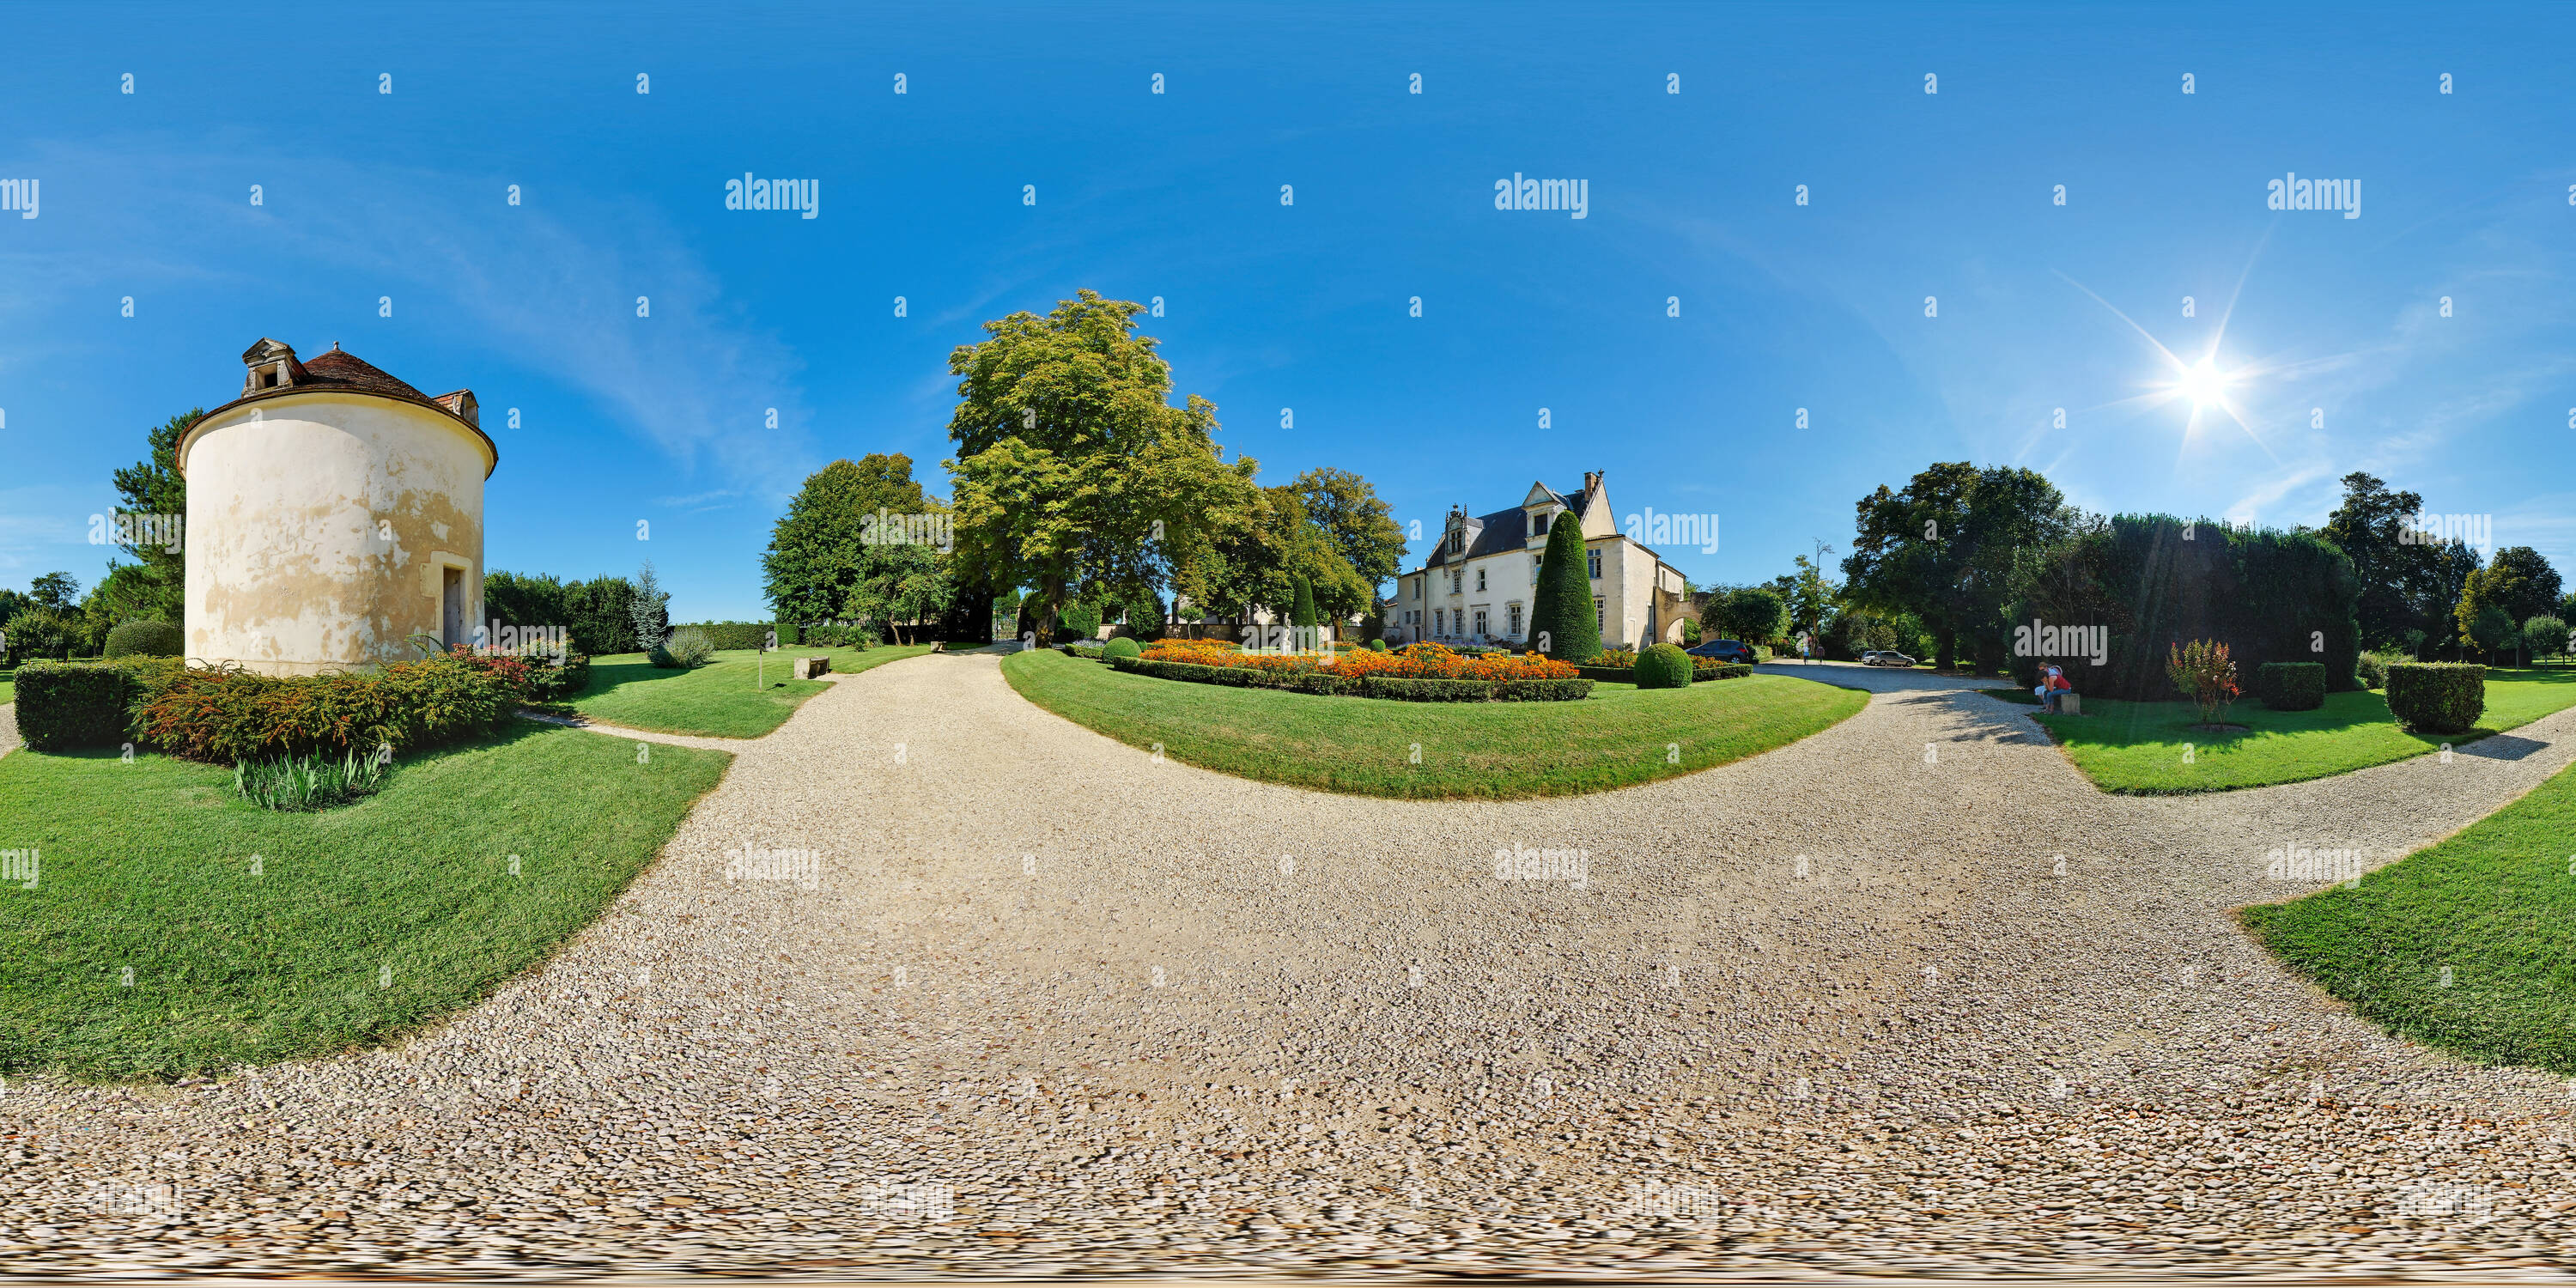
(334,513)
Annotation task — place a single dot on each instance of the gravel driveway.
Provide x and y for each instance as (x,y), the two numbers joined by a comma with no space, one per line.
(1056,1006)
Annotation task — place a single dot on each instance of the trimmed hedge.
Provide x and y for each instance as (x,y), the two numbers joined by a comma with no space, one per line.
(2427,697)
(225,714)
(1702,668)
(733,635)
(1121,647)
(146,639)
(2155,581)
(2291,686)
(1374,686)
(1665,666)
(64,706)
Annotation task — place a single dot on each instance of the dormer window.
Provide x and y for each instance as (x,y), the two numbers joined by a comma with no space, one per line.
(1538,524)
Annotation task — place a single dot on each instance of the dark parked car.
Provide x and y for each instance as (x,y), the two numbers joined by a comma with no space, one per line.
(1723,650)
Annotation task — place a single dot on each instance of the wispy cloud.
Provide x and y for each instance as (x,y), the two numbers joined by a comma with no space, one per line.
(551,284)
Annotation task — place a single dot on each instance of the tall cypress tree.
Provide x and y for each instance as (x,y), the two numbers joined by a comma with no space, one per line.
(1563,611)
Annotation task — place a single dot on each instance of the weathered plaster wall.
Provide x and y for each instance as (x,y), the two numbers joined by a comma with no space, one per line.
(317,531)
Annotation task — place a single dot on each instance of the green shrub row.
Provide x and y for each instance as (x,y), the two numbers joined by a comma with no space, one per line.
(2426,697)
(225,714)
(732,635)
(833,635)
(1373,686)
(1702,668)
(2291,686)
(64,706)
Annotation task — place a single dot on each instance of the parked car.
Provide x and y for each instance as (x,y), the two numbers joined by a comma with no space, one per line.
(1885,657)
(1723,650)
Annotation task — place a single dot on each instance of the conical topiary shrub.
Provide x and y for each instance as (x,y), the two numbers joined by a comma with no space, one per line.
(1562,623)
(1302,615)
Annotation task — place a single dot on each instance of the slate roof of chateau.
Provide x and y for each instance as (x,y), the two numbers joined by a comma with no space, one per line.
(336,372)
(1506,529)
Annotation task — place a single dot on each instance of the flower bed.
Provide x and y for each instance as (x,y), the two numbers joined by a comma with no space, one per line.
(1421,673)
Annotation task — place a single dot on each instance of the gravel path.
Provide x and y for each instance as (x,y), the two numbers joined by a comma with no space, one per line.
(1056,1006)
(9,740)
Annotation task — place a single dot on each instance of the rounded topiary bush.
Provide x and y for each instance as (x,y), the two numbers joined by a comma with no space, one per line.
(1665,666)
(2291,686)
(1378,645)
(1121,647)
(2437,697)
(2371,669)
(146,639)
(684,648)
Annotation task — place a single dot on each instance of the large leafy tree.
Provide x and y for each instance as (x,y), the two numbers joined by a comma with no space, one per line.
(1256,563)
(1944,550)
(54,590)
(1754,614)
(1073,470)
(824,546)
(1358,524)
(2518,584)
(2406,586)
(1563,620)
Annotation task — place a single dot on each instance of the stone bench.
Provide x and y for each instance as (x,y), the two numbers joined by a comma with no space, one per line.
(808,668)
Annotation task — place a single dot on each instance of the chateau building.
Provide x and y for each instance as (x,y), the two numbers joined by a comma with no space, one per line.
(1478,586)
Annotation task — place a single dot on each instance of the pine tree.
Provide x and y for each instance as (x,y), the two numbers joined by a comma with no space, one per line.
(1562,615)
(651,609)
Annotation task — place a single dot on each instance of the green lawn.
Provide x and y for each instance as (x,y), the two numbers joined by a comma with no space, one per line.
(2137,747)
(2494,905)
(723,699)
(8,687)
(1619,736)
(148,867)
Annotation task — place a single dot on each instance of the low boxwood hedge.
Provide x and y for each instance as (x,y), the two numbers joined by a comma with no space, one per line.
(1709,668)
(64,706)
(2426,697)
(2291,686)
(1374,686)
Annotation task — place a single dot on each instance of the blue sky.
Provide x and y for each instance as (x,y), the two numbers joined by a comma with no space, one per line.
(2347,361)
